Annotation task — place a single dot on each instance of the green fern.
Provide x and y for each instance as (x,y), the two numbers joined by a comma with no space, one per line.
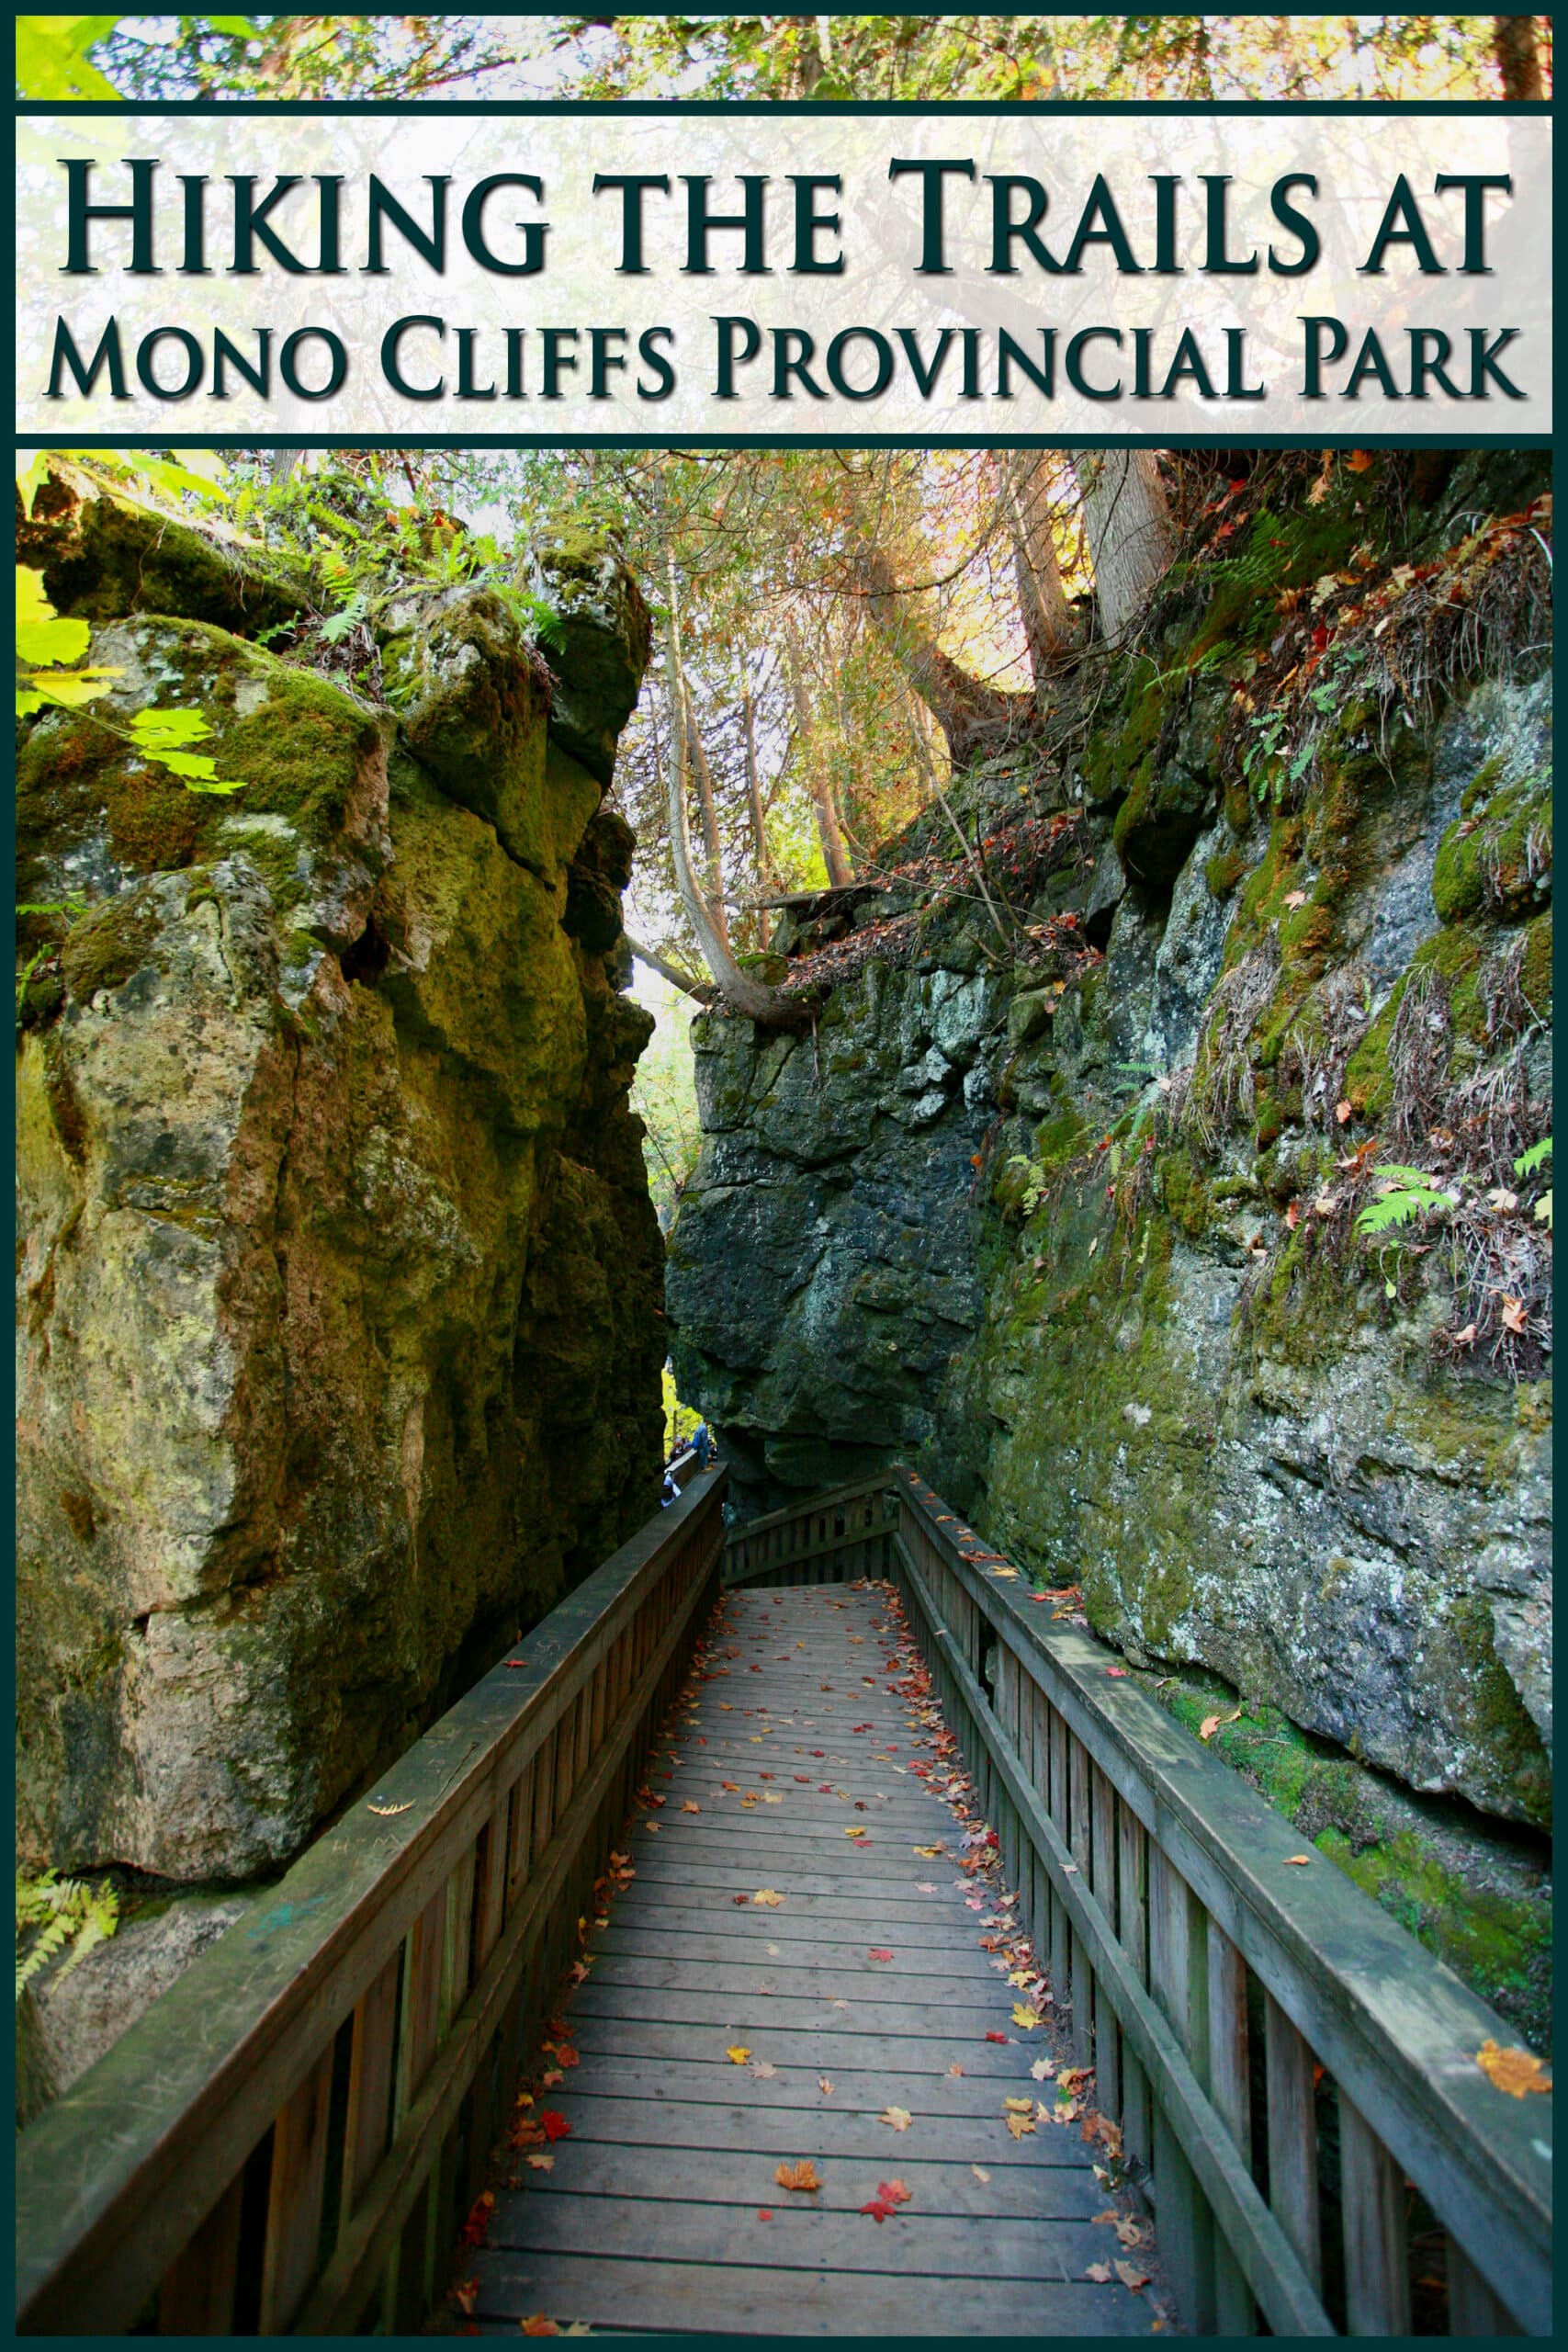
(55,1912)
(1412,1194)
(1529,1163)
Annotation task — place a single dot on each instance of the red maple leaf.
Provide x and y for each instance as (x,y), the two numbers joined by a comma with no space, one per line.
(555,2126)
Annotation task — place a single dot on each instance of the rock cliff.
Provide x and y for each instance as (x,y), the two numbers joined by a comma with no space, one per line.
(1070,1222)
(339,1282)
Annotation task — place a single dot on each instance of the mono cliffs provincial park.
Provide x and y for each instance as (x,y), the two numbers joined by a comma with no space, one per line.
(1108,1073)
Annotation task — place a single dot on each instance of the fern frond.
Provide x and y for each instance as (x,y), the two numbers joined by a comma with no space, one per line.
(1529,1161)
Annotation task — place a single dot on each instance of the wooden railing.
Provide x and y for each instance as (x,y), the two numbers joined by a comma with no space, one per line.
(288,2139)
(823,1539)
(1296,2073)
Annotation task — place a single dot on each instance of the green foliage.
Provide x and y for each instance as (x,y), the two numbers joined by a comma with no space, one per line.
(1529,1164)
(161,735)
(45,645)
(678,1420)
(54,1913)
(54,57)
(1409,1193)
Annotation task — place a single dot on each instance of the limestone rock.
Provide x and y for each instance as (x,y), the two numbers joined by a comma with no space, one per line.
(339,1357)
(1150,1381)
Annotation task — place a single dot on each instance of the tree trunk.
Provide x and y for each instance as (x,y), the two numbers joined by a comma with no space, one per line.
(969,712)
(757,1001)
(758,819)
(1043,601)
(710,816)
(1518,61)
(1130,535)
(834,855)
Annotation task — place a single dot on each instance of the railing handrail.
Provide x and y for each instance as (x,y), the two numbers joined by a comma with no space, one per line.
(830,1499)
(1393,2025)
(123,2166)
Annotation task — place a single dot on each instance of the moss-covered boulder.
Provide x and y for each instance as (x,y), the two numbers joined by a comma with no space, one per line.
(339,1344)
(104,557)
(599,646)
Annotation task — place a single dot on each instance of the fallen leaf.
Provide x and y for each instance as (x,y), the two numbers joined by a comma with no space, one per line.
(1342,1111)
(466,2294)
(473,2229)
(1515,1316)
(929,1852)
(802,2176)
(1099,2272)
(956,2070)
(898,2117)
(555,2126)
(825,2085)
(1518,2072)
(1210,1723)
(996,2037)
(1295,897)
(552,2079)
(541,2164)
(690,1807)
(981,2174)
(538,2325)
(1027,2019)
(765,2212)
(764,2070)
(768,1897)
(1299,1862)
(738,2054)
(877,1952)
(854,1833)
(1132,2278)
(1042,2070)
(890,2195)
(1018,2105)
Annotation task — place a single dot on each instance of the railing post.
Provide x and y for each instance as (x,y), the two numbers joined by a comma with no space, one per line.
(1377,2263)
(1176,1963)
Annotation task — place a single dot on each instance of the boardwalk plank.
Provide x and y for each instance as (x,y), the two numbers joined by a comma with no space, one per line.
(650,2215)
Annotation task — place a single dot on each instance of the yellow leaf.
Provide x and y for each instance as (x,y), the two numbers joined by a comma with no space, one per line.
(980,2173)
(930,1852)
(690,1807)
(768,1897)
(739,2055)
(1018,2105)
(1518,2072)
(542,2164)
(1020,2126)
(854,1833)
(899,2118)
(1027,2019)
(1299,1862)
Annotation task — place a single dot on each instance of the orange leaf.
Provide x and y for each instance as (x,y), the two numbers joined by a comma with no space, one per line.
(1299,1862)
(540,2325)
(802,2176)
(473,2229)
(1518,2072)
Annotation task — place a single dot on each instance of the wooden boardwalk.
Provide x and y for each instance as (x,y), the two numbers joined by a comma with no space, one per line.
(718,2037)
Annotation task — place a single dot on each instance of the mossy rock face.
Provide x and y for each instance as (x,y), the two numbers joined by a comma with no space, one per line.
(103,560)
(340,1344)
(1171,794)
(1496,859)
(605,636)
(1184,1384)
